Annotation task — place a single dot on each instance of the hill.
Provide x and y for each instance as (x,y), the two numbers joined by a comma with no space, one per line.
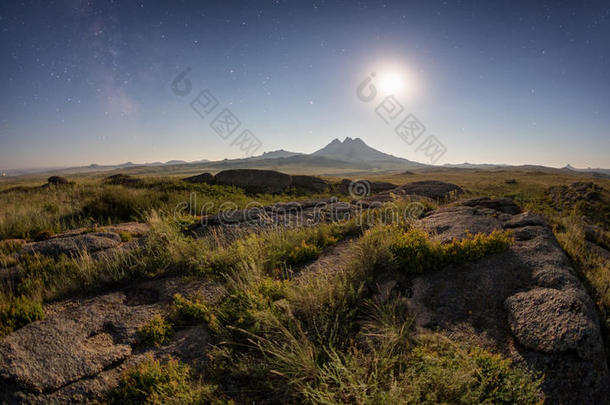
(355,150)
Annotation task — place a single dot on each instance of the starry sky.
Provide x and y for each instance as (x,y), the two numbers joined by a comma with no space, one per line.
(496,82)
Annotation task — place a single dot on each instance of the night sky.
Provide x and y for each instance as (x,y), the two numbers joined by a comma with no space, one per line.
(496,82)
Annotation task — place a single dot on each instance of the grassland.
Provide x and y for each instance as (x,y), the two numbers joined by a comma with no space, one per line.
(334,339)
(30,211)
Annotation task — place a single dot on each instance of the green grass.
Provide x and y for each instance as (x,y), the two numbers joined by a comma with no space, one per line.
(167,250)
(332,340)
(32,212)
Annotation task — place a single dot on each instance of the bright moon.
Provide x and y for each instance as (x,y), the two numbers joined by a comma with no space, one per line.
(391,83)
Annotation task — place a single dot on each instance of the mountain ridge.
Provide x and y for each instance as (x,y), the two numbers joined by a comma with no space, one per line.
(351,153)
(356,150)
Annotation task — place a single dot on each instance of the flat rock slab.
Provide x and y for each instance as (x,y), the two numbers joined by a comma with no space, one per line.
(450,223)
(77,353)
(47,355)
(526,303)
(77,241)
(74,245)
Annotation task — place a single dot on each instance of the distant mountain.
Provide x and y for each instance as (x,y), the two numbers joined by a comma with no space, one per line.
(337,156)
(300,160)
(597,172)
(467,165)
(355,150)
(276,154)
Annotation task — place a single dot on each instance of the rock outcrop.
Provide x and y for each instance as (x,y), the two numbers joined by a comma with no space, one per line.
(122,180)
(267,181)
(526,303)
(436,190)
(90,240)
(57,180)
(255,181)
(74,245)
(309,183)
(273,182)
(207,178)
(579,191)
(77,353)
(363,188)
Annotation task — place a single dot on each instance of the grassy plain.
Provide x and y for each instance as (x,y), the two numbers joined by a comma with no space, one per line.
(333,340)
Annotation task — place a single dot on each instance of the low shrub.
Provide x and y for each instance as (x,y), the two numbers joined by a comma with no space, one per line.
(156,332)
(414,252)
(244,309)
(125,236)
(19,312)
(189,312)
(439,371)
(302,253)
(159,382)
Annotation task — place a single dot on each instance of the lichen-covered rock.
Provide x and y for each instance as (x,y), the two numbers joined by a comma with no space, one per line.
(46,355)
(456,222)
(90,240)
(554,321)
